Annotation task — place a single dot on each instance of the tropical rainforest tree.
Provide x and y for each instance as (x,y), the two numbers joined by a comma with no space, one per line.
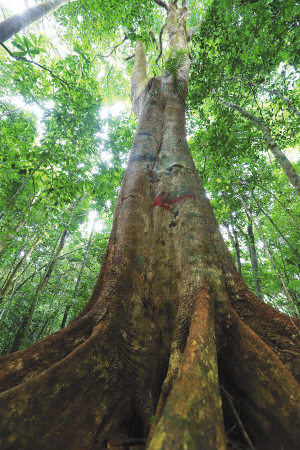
(172,347)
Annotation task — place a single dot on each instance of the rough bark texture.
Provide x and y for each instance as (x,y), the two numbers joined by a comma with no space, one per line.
(17,22)
(159,331)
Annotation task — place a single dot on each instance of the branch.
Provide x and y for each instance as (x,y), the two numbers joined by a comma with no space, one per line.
(21,58)
(4,15)
(270,91)
(129,57)
(229,398)
(10,112)
(114,49)
(162,4)
(160,42)
(192,31)
(17,22)
(153,37)
(274,92)
(244,2)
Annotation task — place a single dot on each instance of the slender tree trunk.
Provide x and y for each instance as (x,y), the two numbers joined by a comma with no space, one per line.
(168,318)
(20,224)
(278,154)
(268,253)
(283,206)
(292,248)
(235,244)
(7,270)
(253,260)
(23,330)
(64,321)
(18,267)
(14,292)
(17,22)
(233,238)
(5,310)
(10,235)
(50,316)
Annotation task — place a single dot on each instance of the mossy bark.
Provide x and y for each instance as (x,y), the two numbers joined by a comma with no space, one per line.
(159,333)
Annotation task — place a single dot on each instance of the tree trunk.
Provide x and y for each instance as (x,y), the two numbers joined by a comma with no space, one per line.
(23,331)
(253,260)
(9,236)
(18,267)
(292,248)
(17,22)
(234,242)
(64,321)
(268,253)
(163,326)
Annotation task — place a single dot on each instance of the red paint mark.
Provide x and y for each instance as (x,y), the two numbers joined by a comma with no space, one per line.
(164,202)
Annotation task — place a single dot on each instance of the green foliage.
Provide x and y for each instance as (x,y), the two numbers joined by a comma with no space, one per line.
(175,61)
(26,46)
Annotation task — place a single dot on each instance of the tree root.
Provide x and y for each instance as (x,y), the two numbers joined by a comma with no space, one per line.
(270,395)
(192,417)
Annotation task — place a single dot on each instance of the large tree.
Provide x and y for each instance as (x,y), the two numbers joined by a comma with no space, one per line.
(172,345)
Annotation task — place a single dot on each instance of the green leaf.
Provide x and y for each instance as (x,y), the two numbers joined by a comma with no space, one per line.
(34,51)
(289,261)
(152,419)
(294,284)
(19,54)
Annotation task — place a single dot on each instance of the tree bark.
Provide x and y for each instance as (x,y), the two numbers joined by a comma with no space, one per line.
(159,330)
(17,22)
